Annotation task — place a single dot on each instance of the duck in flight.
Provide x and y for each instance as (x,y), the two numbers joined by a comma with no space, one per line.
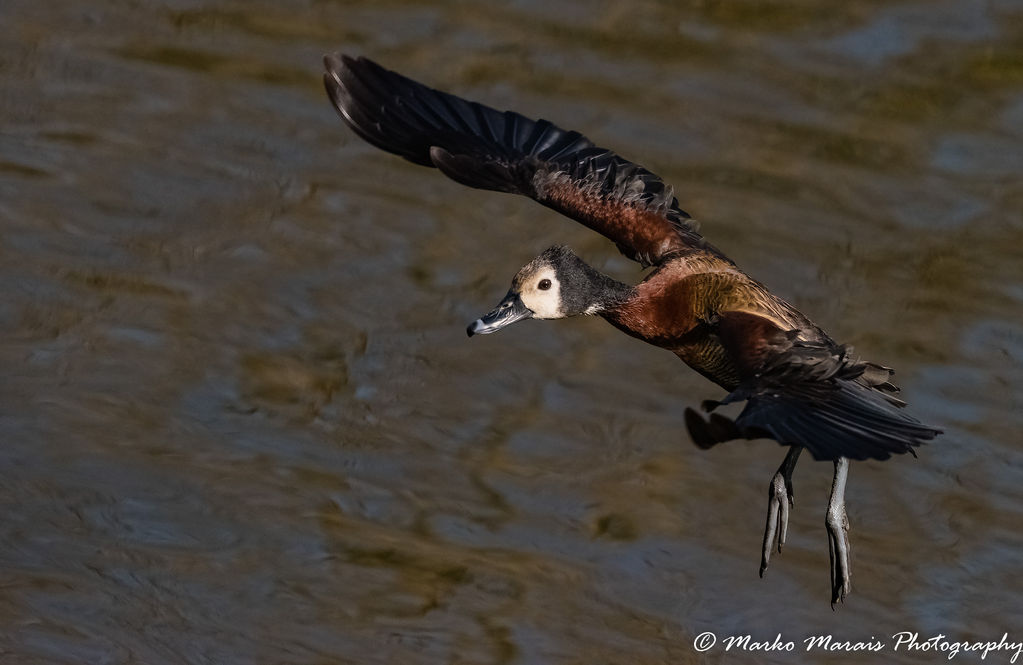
(799,387)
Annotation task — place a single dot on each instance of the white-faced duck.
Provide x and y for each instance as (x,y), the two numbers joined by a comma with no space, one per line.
(800,388)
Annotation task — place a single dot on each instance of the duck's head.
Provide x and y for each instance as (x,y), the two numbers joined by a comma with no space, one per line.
(554,285)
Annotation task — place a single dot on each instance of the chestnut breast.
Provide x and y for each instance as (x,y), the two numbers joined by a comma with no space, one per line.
(681,305)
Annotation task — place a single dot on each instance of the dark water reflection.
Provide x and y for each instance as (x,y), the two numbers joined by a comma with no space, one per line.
(241,421)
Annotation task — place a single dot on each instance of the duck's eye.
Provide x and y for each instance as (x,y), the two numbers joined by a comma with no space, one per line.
(544,284)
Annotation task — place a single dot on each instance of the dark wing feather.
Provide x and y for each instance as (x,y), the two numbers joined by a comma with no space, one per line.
(504,151)
(813,394)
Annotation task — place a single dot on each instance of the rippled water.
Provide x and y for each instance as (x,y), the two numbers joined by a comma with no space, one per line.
(241,421)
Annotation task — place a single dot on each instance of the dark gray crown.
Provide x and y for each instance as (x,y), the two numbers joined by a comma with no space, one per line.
(583,287)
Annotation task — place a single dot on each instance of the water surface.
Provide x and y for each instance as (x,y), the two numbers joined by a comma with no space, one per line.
(241,421)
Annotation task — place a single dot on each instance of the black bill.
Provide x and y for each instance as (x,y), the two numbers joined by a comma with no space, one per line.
(506,313)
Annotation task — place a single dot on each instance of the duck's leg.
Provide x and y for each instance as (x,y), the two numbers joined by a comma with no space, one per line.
(779,500)
(838,533)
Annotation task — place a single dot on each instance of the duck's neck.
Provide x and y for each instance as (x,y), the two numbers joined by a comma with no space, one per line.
(604,294)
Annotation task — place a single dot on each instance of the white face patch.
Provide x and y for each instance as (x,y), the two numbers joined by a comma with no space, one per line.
(545,303)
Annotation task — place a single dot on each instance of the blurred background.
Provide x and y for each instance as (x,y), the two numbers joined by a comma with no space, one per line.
(241,421)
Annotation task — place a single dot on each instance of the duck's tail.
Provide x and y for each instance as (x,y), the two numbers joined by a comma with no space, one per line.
(818,398)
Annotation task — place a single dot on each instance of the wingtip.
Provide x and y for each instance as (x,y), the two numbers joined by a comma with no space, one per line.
(333,64)
(337,62)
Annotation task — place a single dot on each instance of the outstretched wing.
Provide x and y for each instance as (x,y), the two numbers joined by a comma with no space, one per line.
(814,394)
(504,151)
